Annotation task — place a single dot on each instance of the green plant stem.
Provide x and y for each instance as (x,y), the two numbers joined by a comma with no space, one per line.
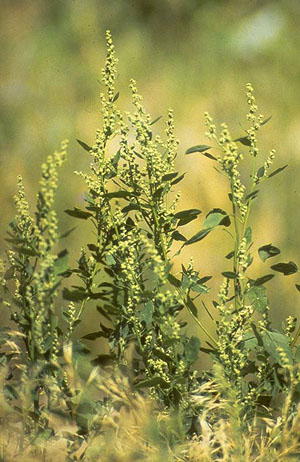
(199,323)
(236,246)
(246,219)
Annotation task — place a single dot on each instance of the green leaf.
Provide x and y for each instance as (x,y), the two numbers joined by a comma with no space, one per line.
(178,237)
(116,97)
(67,233)
(250,340)
(274,340)
(174,281)
(161,355)
(200,288)
(260,172)
(79,349)
(61,263)
(286,268)
(160,192)
(186,282)
(248,235)
(229,274)
(177,180)
(230,255)
(198,148)
(204,279)
(192,307)
(92,247)
(110,259)
(258,299)
(115,159)
(27,251)
(278,170)
(118,194)
(130,207)
(192,349)
(198,236)
(210,156)
(93,335)
(146,313)
(84,145)
(74,295)
(266,121)
(297,287)
(169,176)
(244,140)
(215,218)
(186,216)
(187,213)
(252,195)
(268,251)
(155,120)
(78,213)
(262,280)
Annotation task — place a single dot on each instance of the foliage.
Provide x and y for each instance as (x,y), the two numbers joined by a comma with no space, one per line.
(98,408)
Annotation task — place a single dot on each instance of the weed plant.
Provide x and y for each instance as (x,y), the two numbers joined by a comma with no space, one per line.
(142,398)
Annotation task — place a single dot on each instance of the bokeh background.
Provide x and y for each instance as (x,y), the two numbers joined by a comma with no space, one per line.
(191,55)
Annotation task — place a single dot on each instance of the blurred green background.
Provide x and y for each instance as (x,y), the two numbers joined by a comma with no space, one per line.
(191,55)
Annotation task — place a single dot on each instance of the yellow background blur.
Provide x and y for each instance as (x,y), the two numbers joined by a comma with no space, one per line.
(191,55)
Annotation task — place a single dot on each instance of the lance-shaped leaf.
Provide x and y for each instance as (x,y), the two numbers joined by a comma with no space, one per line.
(177,236)
(155,120)
(252,195)
(78,213)
(268,251)
(264,122)
(174,281)
(116,97)
(169,176)
(177,180)
(191,306)
(229,274)
(198,148)
(85,146)
(198,236)
(286,268)
(262,280)
(118,194)
(278,170)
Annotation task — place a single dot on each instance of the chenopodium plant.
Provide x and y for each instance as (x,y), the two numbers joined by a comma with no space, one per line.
(126,269)
(257,360)
(30,279)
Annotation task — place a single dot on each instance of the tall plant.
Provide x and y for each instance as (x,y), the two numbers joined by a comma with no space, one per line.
(125,272)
